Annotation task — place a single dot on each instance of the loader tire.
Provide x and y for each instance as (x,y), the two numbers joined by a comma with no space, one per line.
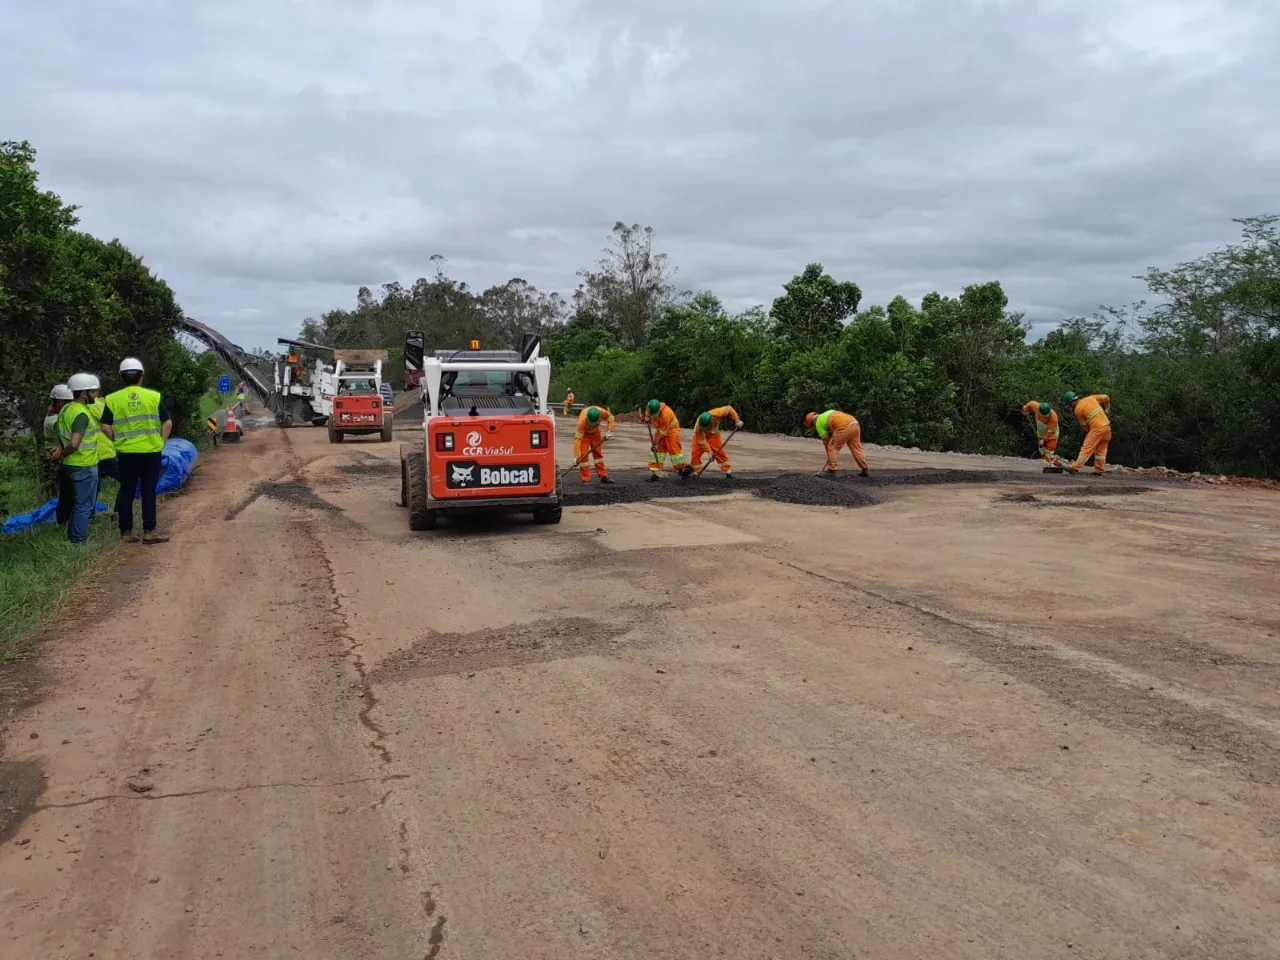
(404,479)
(334,435)
(550,514)
(385,436)
(421,516)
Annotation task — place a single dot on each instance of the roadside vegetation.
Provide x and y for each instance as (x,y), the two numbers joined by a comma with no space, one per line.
(69,302)
(1194,374)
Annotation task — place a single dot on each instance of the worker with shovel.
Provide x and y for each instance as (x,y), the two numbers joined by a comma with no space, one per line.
(1046,421)
(587,441)
(1092,412)
(664,440)
(837,429)
(706,438)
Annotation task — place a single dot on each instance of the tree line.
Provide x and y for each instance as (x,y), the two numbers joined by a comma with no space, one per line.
(1194,375)
(71,302)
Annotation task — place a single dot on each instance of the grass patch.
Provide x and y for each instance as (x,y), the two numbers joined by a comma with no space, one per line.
(38,567)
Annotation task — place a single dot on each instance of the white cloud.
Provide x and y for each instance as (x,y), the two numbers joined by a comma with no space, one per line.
(268,157)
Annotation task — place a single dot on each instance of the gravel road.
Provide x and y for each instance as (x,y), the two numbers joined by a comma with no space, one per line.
(943,713)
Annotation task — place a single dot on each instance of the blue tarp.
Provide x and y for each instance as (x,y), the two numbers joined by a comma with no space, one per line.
(177,461)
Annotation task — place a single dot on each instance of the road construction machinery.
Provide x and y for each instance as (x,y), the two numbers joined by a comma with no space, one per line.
(415,345)
(488,437)
(296,398)
(351,395)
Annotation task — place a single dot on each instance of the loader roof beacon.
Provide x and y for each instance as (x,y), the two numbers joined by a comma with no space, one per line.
(488,439)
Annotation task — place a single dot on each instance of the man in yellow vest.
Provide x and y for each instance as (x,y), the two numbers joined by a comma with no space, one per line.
(138,422)
(77,451)
(107,465)
(59,479)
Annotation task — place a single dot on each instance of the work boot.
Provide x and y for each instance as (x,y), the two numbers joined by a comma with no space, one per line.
(1053,469)
(653,477)
(728,476)
(154,536)
(605,480)
(128,536)
(863,472)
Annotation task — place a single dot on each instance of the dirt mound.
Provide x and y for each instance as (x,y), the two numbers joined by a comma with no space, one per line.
(630,416)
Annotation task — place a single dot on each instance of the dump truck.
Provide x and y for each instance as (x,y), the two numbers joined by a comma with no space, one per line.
(415,342)
(351,396)
(488,438)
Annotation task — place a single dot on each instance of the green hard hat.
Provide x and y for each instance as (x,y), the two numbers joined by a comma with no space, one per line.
(593,414)
(655,406)
(1069,397)
(1044,409)
(704,419)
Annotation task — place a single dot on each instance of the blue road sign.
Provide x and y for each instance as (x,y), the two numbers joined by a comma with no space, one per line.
(224,384)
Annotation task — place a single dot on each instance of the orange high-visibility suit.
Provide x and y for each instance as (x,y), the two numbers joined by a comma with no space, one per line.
(838,430)
(1046,432)
(666,439)
(710,440)
(1092,414)
(588,439)
(568,403)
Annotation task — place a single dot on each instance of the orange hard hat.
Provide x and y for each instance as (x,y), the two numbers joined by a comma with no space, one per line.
(809,418)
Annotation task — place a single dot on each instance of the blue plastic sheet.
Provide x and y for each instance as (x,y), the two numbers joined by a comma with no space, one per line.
(177,461)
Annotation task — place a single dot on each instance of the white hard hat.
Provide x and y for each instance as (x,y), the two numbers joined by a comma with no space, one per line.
(131,365)
(61,392)
(82,381)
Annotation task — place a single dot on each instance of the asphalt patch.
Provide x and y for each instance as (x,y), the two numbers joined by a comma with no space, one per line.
(1103,490)
(634,486)
(373,467)
(809,490)
(21,784)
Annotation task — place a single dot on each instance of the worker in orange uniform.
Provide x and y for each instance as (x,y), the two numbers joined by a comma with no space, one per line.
(837,429)
(1091,411)
(568,402)
(664,429)
(706,437)
(587,441)
(1046,420)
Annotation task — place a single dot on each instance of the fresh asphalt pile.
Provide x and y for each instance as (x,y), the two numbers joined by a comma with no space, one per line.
(845,489)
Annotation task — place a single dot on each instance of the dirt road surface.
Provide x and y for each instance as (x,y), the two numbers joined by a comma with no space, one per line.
(1032,717)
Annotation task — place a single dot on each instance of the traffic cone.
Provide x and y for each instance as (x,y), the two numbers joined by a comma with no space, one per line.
(231,427)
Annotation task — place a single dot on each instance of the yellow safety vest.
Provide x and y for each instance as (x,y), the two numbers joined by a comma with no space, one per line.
(135,420)
(106,449)
(86,455)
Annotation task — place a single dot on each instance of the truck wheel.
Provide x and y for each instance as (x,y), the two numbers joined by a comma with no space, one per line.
(334,435)
(421,516)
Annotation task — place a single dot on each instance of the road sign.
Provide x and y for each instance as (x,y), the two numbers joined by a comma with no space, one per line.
(224,384)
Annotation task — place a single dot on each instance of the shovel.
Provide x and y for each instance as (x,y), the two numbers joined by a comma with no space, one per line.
(711,455)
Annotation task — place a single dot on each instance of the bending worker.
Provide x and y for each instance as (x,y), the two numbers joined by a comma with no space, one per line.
(587,441)
(664,431)
(138,421)
(1046,421)
(1091,411)
(837,429)
(706,437)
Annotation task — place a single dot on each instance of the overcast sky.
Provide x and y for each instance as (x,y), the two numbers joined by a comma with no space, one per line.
(267,157)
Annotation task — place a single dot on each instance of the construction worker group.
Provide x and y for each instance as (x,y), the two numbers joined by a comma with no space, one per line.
(121,435)
(835,428)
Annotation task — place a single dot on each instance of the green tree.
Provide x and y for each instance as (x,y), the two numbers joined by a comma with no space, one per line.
(814,308)
(629,287)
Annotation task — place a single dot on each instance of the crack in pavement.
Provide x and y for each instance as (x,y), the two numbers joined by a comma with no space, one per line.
(207,791)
